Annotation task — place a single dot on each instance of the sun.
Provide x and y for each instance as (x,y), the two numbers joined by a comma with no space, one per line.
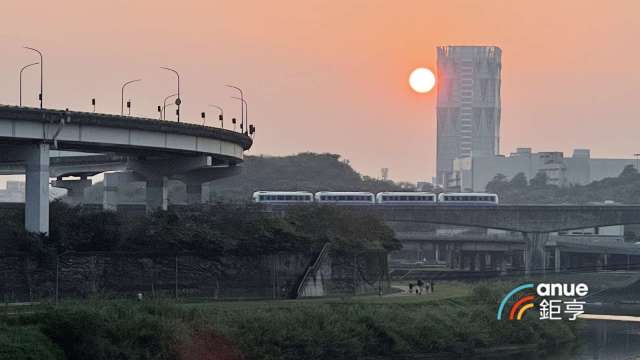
(422,80)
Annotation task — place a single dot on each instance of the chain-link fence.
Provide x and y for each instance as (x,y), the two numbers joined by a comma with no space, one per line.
(186,276)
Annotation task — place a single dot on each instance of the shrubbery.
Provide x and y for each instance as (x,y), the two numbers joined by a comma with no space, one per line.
(301,330)
(212,230)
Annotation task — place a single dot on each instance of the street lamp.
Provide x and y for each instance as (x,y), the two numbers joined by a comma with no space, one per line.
(221,116)
(41,72)
(21,70)
(164,106)
(245,109)
(122,95)
(241,104)
(178,100)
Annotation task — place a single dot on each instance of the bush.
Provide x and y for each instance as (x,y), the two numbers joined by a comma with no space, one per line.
(26,343)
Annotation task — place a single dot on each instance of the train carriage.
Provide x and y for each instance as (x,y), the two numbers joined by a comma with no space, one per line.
(345,197)
(283,197)
(468,199)
(406,198)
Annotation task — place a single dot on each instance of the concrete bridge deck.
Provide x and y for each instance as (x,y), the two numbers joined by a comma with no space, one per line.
(146,150)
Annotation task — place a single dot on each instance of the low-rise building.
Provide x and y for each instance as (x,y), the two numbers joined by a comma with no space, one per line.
(475,172)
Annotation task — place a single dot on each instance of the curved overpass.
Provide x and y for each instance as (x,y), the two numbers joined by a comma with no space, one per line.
(90,132)
(147,150)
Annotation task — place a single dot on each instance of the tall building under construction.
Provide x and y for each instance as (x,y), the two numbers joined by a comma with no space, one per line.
(468,112)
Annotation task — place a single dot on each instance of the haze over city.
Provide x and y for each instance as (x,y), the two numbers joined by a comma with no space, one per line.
(332,76)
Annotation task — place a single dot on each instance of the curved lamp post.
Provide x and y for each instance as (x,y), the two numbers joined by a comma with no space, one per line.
(241,104)
(164,106)
(220,117)
(122,95)
(245,115)
(41,96)
(178,100)
(21,70)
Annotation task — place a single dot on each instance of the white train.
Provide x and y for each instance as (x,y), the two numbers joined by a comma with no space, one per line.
(468,199)
(407,198)
(342,197)
(382,198)
(275,197)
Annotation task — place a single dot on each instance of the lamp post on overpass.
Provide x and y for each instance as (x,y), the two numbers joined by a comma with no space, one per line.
(122,95)
(40,96)
(164,106)
(241,104)
(221,116)
(178,100)
(21,70)
(245,108)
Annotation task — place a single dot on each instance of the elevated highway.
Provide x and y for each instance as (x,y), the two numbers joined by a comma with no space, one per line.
(535,223)
(140,149)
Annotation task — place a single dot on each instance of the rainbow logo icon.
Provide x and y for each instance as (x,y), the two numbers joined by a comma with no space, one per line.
(520,307)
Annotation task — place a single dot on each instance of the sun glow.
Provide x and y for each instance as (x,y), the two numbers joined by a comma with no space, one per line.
(422,80)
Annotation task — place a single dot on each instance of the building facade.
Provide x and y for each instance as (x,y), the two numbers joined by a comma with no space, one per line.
(468,109)
(473,173)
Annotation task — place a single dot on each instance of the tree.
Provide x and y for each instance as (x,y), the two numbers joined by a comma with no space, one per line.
(498,185)
(519,181)
(629,173)
(540,180)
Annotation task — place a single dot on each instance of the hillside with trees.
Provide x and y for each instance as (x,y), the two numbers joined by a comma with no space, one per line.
(302,172)
(624,189)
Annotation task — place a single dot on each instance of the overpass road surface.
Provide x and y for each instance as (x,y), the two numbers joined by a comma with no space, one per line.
(143,149)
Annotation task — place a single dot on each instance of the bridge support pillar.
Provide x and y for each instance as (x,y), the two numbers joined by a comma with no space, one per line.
(157,193)
(37,188)
(194,193)
(556,259)
(75,188)
(534,252)
(476,261)
(110,198)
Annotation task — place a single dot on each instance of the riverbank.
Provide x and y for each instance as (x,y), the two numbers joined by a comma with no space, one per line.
(352,328)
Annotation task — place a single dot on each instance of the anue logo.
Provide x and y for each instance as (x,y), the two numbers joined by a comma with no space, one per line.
(554,301)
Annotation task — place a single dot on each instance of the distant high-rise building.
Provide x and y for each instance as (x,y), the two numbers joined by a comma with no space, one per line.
(384,174)
(468,112)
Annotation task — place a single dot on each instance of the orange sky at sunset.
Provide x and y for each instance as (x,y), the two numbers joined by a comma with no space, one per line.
(331,76)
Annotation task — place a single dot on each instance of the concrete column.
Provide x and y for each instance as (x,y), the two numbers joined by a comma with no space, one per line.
(157,193)
(37,188)
(605,261)
(476,261)
(194,193)
(503,264)
(75,188)
(556,259)
(110,197)
(534,253)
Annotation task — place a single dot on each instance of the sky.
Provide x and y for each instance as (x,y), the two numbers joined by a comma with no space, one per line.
(332,76)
